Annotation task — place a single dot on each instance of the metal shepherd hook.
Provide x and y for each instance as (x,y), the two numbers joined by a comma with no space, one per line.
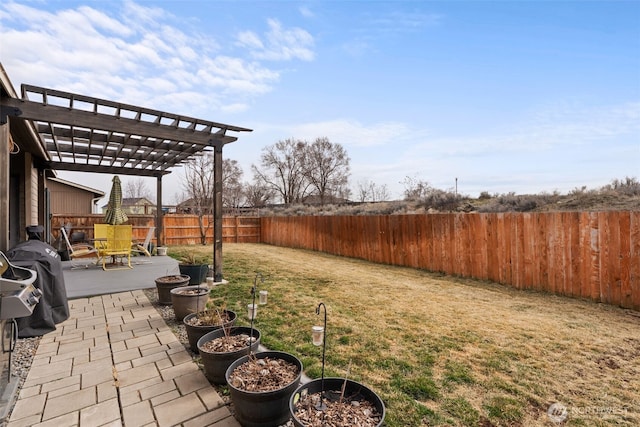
(253,306)
(321,406)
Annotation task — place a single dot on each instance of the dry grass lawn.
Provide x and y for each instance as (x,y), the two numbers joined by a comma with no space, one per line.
(442,350)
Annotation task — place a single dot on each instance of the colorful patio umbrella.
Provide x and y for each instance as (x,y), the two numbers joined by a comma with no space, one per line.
(115,215)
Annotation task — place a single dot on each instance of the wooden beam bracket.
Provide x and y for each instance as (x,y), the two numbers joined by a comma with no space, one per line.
(6,111)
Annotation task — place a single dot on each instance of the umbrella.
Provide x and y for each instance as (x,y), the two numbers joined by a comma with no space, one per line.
(115,215)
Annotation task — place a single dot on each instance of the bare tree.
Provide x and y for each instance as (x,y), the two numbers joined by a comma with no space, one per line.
(257,195)
(198,183)
(415,189)
(136,189)
(232,191)
(370,191)
(283,170)
(326,168)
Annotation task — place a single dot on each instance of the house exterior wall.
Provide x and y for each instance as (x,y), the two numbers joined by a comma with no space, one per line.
(69,200)
(141,208)
(23,197)
(4,187)
(31,190)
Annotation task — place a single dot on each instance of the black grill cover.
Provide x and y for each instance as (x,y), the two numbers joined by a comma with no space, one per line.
(53,307)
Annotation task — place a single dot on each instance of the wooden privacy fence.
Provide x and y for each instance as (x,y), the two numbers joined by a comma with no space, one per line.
(178,229)
(182,229)
(594,255)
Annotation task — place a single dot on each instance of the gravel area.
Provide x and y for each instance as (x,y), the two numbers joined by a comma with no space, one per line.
(22,358)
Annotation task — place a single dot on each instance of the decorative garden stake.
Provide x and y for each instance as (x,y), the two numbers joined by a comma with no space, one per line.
(253,308)
(319,333)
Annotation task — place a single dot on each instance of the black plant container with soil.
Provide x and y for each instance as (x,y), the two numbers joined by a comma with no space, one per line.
(216,363)
(197,272)
(199,324)
(369,406)
(165,284)
(263,408)
(188,299)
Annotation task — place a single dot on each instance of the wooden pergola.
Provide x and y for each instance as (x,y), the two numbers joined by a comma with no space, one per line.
(87,134)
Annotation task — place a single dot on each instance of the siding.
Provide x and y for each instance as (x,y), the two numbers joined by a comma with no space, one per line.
(69,200)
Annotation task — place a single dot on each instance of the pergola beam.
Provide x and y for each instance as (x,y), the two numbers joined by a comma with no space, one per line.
(39,112)
(115,170)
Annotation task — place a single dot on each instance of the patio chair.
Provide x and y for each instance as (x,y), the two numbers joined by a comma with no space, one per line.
(118,245)
(143,248)
(100,237)
(78,250)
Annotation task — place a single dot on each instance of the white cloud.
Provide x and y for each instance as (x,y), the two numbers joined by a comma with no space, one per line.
(353,133)
(306,12)
(407,20)
(249,39)
(281,44)
(141,55)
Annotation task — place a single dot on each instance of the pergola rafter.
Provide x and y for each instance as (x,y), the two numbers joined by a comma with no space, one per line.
(87,134)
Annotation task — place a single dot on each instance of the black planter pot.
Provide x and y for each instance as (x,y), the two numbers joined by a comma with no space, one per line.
(164,285)
(332,390)
(263,409)
(194,333)
(216,364)
(197,272)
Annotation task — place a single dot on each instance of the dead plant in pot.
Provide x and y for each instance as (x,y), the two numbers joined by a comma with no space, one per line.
(336,402)
(260,384)
(214,316)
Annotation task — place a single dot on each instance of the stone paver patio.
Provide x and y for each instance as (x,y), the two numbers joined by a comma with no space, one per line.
(115,362)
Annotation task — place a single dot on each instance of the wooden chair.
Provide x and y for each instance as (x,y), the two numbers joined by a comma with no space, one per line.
(78,250)
(118,246)
(143,248)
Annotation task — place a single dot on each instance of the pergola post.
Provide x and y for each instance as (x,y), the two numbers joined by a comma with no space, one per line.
(4,182)
(159,213)
(217,212)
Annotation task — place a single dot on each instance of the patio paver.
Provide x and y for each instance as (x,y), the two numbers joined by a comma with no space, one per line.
(115,362)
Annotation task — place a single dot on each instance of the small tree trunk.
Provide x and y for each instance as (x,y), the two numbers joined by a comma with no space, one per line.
(203,230)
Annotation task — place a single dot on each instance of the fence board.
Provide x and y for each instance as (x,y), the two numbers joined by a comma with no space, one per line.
(634,257)
(614,252)
(594,256)
(573,254)
(625,260)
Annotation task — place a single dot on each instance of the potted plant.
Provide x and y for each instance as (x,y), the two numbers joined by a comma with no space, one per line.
(334,401)
(188,299)
(261,385)
(195,266)
(165,284)
(202,322)
(344,399)
(221,347)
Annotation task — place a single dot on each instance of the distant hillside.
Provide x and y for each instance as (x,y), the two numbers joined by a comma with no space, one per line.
(617,196)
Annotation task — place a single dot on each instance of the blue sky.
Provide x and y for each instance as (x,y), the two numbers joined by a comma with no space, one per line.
(504,95)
